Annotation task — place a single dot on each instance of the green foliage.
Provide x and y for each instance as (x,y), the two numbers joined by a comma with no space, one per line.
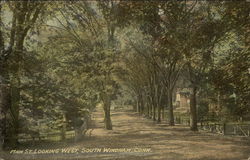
(61,59)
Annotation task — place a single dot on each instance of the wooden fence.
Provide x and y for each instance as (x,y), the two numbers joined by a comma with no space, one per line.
(56,136)
(48,137)
(240,129)
(227,128)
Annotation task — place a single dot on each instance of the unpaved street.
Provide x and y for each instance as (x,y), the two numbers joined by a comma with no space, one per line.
(165,143)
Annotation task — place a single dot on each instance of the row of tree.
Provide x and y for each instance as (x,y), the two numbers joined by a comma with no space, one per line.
(205,44)
(58,60)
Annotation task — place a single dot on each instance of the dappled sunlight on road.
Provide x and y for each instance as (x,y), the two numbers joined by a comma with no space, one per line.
(177,142)
(165,142)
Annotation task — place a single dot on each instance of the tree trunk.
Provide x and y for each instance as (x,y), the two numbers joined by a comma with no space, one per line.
(18,33)
(159,104)
(78,133)
(107,117)
(162,113)
(15,84)
(142,105)
(147,109)
(150,109)
(134,107)
(159,114)
(63,129)
(15,95)
(3,88)
(63,133)
(4,105)
(218,101)
(137,105)
(15,99)
(2,119)
(170,107)
(154,114)
(193,110)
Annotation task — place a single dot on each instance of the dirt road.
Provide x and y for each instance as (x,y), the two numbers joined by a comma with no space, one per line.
(137,138)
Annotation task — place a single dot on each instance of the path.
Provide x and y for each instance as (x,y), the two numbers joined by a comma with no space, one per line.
(165,142)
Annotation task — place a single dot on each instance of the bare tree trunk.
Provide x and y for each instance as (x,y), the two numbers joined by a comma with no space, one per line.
(142,104)
(159,105)
(15,81)
(218,100)
(63,129)
(2,126)
(162,113)
(107,117)
(4,104)
(159,114)
(3,88)
(137,105)
(15,92)
(150,109)
(79,133)
(15,103)
(147,107)
(193,110)
(154,114)
(170,107)
(134,107)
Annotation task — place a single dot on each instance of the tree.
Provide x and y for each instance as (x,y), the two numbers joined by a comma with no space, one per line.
(24,17)
(160,20)
(229,76)
(100,51)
